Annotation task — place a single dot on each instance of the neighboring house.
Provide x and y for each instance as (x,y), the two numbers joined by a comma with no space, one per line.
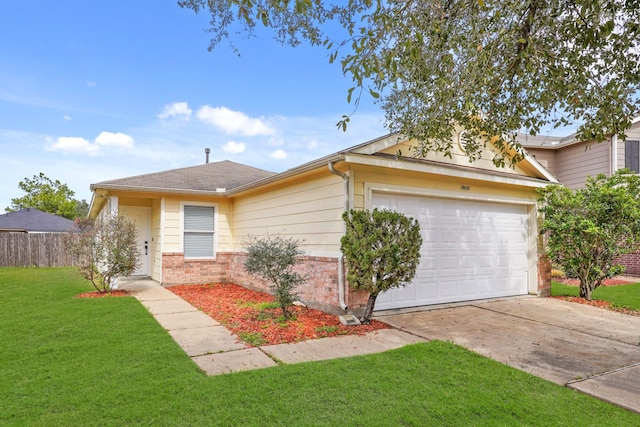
(572,161)
(31,220)
(479,222)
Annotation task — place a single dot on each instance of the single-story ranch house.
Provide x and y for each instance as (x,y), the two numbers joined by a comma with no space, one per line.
(479,223)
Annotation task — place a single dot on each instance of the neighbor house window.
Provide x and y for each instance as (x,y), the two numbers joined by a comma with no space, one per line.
(199,231)
(632,155)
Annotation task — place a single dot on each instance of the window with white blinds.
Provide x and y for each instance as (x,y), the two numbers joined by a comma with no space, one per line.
(198,231)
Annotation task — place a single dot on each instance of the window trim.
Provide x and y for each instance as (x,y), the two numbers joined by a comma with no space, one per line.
(215,227)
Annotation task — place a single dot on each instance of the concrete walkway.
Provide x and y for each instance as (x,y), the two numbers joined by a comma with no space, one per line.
(217,351)
(593,350)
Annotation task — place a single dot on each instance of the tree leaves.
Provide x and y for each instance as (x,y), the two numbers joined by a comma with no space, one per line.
(47,195)
(105,249)
(433,66)
(272,259)
(589,228)
(382,249)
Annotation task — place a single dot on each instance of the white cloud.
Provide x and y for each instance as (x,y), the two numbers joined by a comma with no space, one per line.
(66,118)
(177,110)
(278,155)
(109,139)
(91,84)
(312,145)
(234,122)
(234,147)
(102,143)
(70,144)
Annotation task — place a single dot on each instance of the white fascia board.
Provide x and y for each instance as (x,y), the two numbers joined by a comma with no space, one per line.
(478,175)
(379,144)
(541,169)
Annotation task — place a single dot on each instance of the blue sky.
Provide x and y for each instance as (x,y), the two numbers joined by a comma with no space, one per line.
(97,90)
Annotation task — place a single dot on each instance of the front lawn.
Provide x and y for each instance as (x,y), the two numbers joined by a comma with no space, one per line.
(619,296)
(106,361)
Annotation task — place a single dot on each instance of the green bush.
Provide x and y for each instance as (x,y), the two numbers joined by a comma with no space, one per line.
(382,250)
(272,259)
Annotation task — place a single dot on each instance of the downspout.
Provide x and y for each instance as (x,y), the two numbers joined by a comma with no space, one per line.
(614,154)
(341,281)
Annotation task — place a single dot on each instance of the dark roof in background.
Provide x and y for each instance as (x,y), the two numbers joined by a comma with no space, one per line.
(34,220)
(207,177)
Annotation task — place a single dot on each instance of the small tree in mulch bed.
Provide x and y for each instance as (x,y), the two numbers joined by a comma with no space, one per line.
(590,228)
(272,259)
(105,249)
(382,250)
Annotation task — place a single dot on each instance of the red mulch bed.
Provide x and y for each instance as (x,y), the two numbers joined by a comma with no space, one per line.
(238,309)
(616,281)
(96,294)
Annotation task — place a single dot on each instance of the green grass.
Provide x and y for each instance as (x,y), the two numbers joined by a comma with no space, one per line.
(107,362)
(621,295)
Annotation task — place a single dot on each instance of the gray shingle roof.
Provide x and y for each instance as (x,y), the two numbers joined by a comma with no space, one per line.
(207,177)
(34,220)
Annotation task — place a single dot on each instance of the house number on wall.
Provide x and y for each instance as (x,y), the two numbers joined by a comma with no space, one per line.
(465,187)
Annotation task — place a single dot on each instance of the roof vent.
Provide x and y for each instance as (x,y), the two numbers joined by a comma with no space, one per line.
(206,152)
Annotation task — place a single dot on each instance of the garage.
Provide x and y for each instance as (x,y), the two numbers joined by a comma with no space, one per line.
(471,250)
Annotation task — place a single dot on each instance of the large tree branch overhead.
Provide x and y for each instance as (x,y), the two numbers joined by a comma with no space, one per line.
(494,67)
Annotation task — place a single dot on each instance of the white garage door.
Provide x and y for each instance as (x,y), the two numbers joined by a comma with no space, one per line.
(471,250)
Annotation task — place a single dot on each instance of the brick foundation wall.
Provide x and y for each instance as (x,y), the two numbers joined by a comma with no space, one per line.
(179,271)
(319,291)
(631,263)
(544,276)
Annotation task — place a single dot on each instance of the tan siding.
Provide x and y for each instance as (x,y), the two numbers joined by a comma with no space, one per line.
(172,238)
(621,154)
(458,157)
(172,219)
(546,157)
(634,132)
(376,175)
(579,161)
(223,233)
(309,210)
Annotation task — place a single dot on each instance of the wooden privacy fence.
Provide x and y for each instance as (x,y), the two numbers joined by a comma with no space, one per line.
(34,250)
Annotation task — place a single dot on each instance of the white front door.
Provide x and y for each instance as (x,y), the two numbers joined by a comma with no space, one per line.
(140,216)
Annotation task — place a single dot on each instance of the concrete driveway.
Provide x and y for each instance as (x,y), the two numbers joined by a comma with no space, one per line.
(593,350)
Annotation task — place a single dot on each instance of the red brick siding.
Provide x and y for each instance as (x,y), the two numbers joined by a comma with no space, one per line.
(179,271)
(320,289)
(544,276)
(631,262)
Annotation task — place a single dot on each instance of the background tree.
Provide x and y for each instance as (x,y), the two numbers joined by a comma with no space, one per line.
(494,67)
(382,251)
(105,249)
(47,195)
(590,227)
(82,208)
(273,259)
